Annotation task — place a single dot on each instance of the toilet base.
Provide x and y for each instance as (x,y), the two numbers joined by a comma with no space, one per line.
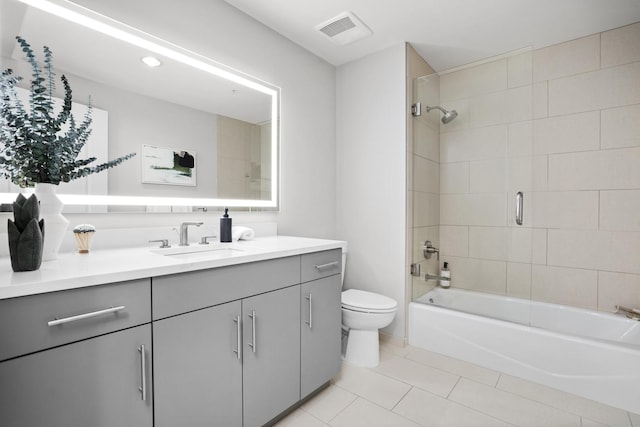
(363,348)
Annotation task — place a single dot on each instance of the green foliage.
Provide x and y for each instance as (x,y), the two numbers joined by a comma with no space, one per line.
(38,144)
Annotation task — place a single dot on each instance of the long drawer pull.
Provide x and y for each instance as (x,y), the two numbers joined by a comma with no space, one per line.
(143,373)
(326,266)
(238,352)
(85,316)
(310,321)
(252,344)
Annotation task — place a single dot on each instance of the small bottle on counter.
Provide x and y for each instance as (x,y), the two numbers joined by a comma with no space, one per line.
(445,276)
(225,227)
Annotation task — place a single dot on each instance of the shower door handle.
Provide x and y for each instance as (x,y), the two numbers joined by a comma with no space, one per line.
(519,205)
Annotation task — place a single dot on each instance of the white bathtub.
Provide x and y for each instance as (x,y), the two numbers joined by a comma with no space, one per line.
(590,354)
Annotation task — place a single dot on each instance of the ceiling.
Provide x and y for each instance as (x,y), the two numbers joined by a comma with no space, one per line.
(447,33)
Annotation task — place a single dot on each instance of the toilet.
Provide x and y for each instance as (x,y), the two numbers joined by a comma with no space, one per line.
(363,313)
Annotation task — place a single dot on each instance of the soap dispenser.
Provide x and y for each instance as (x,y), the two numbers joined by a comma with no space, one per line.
(225,227)
(445,276)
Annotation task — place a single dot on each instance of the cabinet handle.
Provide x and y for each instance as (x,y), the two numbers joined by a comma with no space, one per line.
(252,344)
(310,321)
(85,316)
(143,373)
(238,351)
(326,266)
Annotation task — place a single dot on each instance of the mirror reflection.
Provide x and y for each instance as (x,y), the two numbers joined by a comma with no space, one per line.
(207,138)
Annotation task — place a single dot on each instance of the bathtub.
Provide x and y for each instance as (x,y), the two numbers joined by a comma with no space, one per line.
(590,354)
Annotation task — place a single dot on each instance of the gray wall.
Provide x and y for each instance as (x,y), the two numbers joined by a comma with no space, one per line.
(135,120)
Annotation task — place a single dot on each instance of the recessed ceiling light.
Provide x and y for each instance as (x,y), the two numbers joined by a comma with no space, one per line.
(151,61)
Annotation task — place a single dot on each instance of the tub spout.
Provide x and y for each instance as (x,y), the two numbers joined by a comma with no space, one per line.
(631,313)
(433,277)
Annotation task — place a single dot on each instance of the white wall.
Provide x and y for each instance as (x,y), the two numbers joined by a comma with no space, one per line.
(217,30)
(371,144)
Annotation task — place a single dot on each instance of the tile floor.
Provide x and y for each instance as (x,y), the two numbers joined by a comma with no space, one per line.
(413,387)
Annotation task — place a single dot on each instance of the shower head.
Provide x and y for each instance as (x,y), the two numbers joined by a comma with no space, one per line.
(448,115)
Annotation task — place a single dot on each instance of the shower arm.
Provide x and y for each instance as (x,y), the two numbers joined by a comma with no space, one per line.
(437,107)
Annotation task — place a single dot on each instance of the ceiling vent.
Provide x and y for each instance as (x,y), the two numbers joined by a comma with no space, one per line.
(344,28)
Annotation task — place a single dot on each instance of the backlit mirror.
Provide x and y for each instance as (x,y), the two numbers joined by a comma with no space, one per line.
(220,125)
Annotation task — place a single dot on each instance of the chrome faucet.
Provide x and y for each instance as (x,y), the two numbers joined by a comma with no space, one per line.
(184,232)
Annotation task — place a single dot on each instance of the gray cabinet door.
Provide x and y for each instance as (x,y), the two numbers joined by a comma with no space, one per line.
(94,383)
(198,376)
(321,332)
(271,379)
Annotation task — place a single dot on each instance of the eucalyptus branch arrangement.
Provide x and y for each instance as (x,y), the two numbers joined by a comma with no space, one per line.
(38,145)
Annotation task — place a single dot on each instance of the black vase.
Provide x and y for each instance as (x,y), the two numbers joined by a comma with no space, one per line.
(26,234)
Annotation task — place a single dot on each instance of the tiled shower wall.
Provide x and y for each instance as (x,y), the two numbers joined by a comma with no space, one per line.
(561,124)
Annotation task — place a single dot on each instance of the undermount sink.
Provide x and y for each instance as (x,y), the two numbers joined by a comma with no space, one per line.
(201,251)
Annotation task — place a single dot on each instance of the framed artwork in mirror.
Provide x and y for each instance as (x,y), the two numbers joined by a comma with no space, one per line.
(168,166)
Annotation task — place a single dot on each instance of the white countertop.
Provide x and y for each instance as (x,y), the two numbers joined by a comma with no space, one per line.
(73,270)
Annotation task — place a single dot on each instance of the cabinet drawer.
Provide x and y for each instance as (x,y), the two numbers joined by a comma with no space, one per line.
(184,292)
(25,322)
(321,264)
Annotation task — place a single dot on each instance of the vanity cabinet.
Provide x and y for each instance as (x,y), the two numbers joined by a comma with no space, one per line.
(271,360)
(83,368)
(233,346)
(227,344)
(320,303)
(198,368)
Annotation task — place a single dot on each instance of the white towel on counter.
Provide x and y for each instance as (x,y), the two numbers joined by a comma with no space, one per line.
(242,233)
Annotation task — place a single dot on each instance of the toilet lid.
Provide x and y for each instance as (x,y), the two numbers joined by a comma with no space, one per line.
(367,300)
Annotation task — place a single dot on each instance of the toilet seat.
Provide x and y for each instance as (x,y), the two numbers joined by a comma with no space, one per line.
(367,302)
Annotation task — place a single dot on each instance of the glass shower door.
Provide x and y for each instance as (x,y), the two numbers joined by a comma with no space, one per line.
(424,183)
(483,163)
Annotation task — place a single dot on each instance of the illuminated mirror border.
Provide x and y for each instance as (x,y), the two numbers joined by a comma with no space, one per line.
(100,23)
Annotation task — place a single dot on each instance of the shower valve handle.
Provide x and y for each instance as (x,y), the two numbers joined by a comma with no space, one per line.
(428,250)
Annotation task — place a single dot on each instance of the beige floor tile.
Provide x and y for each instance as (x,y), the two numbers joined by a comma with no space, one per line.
(299,418)
(455,366)
(421,376)
(329,403)
(392,345)
(363,413)
(510,407)
(586,408)
(366,397)
(590,423)
(386,355)
(373,386)
(430,410)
